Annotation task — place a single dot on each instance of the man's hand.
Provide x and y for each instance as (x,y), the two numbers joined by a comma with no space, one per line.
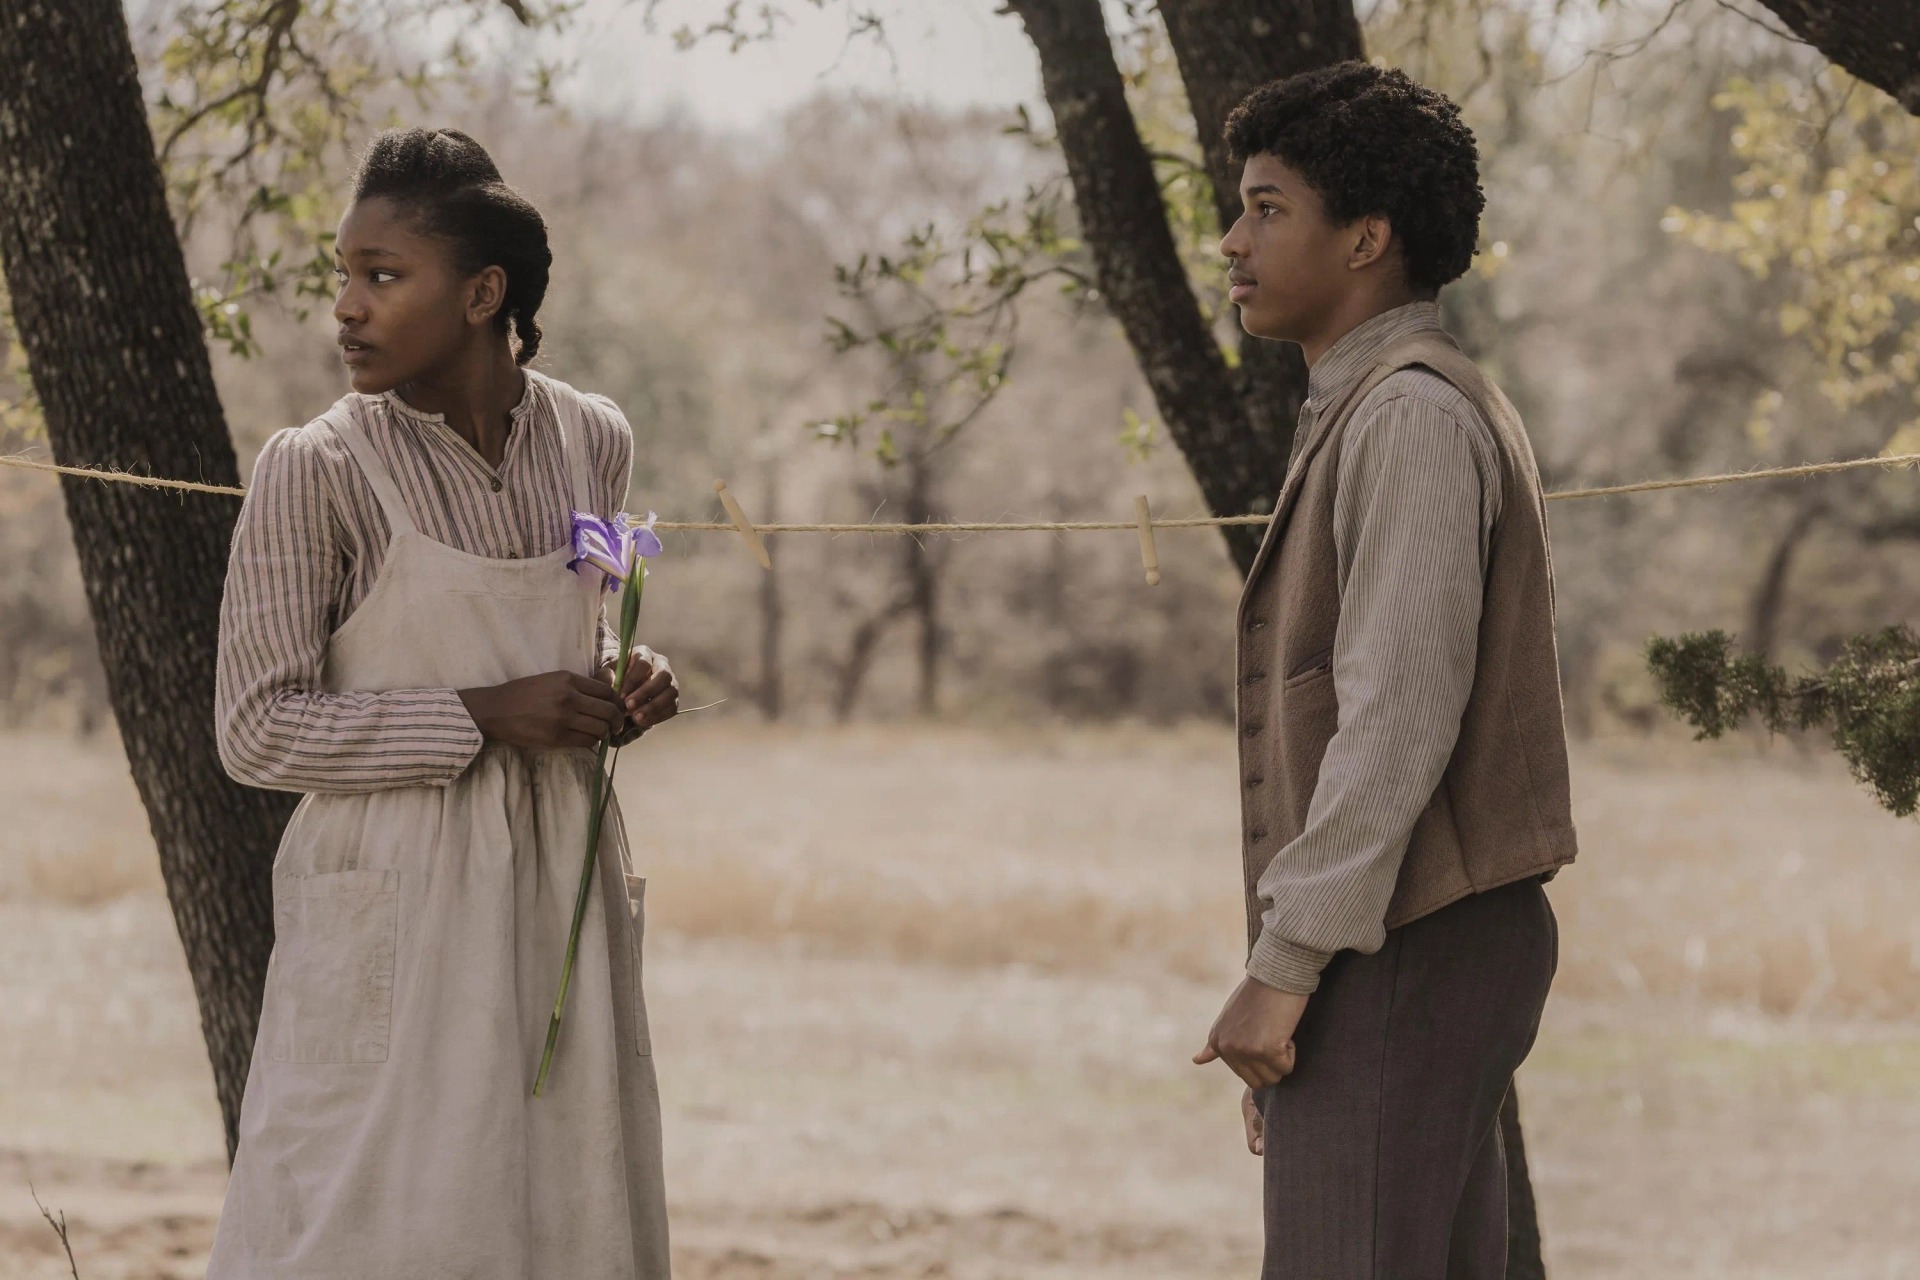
(1256,1123)
(650,694)
(1254,1033)
(558,709)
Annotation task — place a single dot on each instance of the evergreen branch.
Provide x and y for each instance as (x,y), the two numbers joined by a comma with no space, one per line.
(1868,698)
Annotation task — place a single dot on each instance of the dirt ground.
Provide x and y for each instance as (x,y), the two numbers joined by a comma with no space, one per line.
(923,1001)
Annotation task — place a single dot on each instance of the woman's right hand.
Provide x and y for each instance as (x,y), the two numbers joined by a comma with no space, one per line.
(558,709)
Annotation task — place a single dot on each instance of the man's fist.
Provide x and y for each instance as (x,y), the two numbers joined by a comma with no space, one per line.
(1254,1033)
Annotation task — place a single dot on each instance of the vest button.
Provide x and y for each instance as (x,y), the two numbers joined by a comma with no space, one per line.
(1256,624)
(1257,834)
(1255,677)
(1253,731)
(1255,779)
(496,484)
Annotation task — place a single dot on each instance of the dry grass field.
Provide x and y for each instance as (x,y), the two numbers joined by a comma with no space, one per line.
(923,1000)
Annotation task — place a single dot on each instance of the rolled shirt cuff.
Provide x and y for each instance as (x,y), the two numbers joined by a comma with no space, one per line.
(470,740)
(1286,966)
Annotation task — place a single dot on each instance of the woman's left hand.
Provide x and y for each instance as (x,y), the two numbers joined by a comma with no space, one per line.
(650,694)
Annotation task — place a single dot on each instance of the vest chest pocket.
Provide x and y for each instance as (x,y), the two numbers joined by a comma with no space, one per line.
(1309,712)
(1319,664)
(335,938)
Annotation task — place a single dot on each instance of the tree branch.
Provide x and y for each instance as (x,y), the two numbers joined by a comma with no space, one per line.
(1876,40)
(278,26)
(1869,697)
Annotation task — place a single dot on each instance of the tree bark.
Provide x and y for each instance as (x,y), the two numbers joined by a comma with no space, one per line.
(1225,50)
(1877,40)
(114,347)
(1239,467)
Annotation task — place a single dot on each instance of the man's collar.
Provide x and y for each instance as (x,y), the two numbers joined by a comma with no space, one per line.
(1347,360)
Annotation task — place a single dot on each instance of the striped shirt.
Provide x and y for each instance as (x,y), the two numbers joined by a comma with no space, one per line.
(308,548)
(1417,493)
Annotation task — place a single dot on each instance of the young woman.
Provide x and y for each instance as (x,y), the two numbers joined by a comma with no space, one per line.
(402,639)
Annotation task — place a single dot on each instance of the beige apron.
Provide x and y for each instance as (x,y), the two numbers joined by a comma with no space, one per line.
(388,1130)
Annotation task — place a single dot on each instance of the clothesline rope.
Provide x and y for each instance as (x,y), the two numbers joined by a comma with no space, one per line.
(1044,526)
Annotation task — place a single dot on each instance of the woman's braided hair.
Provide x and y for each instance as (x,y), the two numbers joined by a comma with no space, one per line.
(450,182)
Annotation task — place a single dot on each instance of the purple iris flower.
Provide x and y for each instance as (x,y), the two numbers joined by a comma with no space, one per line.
(612,546)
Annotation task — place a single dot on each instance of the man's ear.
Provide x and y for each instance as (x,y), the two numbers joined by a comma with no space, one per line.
(1372,241)
(486,294)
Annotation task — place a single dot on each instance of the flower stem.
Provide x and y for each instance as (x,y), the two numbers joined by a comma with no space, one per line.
(599,798)
(579,914)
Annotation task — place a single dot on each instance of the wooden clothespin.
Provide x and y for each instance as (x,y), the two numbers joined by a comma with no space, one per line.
(1149,557)
(744,525)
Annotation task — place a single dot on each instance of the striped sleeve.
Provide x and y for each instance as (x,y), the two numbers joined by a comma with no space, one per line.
(1417,494)
(276,726)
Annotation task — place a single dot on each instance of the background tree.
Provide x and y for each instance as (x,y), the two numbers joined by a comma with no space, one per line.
(111,328)
(1828,206)
(105,313)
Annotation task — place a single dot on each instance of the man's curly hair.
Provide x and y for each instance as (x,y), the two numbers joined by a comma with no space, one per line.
(1371,141)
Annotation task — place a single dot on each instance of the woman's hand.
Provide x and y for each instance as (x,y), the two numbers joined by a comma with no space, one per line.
(558,709)
(649,696)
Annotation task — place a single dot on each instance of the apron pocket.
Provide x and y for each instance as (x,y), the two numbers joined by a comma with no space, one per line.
(334,944)
(637,907)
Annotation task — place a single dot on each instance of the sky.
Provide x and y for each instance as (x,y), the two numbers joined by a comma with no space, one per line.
(948,53)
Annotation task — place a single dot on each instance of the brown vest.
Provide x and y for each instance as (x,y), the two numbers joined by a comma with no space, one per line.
(1502,811)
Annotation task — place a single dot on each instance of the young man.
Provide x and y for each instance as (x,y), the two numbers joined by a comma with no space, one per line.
(1402,755)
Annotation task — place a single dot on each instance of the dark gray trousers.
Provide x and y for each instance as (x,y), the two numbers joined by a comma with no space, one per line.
(1383,1154)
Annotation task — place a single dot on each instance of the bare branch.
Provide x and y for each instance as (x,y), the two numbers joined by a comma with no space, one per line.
(59,1226)
(278,24)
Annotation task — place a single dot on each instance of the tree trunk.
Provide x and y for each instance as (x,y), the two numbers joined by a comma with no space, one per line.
(1763,623)
(1877,40)
(922,580)
(1239,467)
(1234,427)
(1225,50)
(853,672)
(113,344)
(772,607)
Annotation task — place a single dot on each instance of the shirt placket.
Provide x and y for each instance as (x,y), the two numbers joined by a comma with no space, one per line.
(1301,430)
(495,533)
(500,481)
